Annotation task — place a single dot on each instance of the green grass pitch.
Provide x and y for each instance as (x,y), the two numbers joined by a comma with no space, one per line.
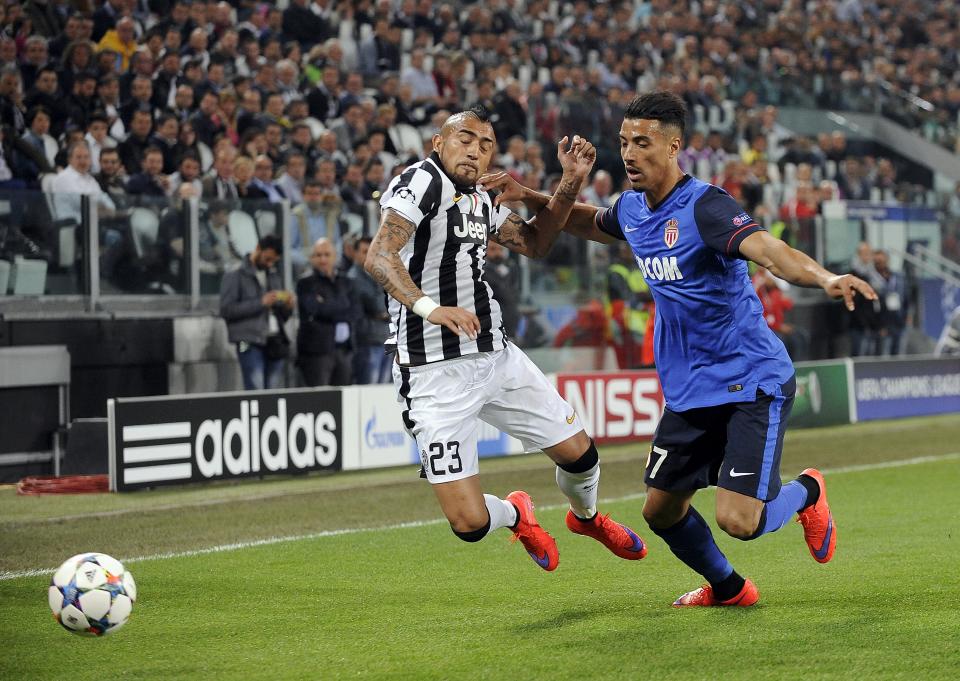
(412,602)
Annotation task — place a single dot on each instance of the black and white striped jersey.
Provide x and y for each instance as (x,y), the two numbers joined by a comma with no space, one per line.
(445,257)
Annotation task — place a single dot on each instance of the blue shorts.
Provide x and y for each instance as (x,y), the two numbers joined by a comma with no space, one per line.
(733,446)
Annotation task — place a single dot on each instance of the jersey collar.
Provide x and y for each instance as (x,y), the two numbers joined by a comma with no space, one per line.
(682,181)
(461,188)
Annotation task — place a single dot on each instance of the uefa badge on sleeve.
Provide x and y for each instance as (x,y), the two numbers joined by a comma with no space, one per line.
(671,232)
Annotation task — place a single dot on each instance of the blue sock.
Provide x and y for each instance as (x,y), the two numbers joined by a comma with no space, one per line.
(777,512)
(692,542)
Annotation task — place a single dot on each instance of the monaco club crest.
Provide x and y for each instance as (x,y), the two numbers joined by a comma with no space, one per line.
(671,233)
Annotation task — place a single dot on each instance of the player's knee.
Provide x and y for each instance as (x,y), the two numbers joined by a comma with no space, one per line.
(738,525)
(470,527)
(660,517)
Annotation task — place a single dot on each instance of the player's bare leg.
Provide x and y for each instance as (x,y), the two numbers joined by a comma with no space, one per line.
(745,517)
(473,514)
(671,516)
(578,477)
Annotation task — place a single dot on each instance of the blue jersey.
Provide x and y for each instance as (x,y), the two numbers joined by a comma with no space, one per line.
(711,341)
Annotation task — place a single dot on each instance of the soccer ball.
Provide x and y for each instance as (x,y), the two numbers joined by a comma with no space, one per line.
(91,594)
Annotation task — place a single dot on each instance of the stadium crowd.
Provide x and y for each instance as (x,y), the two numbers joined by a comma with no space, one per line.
(322,102)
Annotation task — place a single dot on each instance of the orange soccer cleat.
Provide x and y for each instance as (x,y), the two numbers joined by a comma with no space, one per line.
(818,527)
(536,540)
(703,596)
(620,539)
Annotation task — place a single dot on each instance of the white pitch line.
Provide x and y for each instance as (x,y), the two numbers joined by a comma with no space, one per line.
(268,541)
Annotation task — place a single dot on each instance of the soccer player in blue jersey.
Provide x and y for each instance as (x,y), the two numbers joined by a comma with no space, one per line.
(727,379)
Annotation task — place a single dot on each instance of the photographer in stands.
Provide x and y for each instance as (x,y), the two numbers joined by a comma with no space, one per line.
(255,307)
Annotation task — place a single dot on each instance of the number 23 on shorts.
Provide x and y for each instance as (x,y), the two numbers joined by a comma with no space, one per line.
(438,452)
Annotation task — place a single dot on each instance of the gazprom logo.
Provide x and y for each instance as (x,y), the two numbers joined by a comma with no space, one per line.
(660,269)
(381,440)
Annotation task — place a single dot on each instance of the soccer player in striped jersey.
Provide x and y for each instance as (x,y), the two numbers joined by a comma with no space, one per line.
(454,364)
(727,379)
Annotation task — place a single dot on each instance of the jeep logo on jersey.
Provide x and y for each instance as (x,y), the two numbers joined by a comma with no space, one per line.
(659,269)
(671,233)
(470,229)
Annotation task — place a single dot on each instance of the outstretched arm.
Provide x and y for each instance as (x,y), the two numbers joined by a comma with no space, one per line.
(555,213)
(802,270)
(385,266)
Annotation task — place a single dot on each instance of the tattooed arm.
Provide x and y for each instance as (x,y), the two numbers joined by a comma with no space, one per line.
(383,259)
(556,213)
(385,266)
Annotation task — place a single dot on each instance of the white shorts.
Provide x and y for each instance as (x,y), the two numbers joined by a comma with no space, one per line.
(445,401)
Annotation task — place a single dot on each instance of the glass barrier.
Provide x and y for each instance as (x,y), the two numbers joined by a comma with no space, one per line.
(228,230)
(42,243)
(143,246)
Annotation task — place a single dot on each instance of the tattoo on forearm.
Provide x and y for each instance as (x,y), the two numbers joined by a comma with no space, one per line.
(568,190)
(387,269)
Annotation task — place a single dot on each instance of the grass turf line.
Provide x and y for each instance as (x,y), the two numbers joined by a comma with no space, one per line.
(42,531)
(417,604)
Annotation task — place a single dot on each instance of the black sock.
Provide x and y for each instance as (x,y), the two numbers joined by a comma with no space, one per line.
(729,587)
(514,526)
(813,490)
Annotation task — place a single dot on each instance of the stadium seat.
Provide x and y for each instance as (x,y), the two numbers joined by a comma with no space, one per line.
(65,228)
(729,109)
(144,226)
(406,39)
(354,223)
(266,222)
(28,277)
(206,156)
(700,118)
(4,276)
(316,127)
(702,170)
(243,231)
(831,170)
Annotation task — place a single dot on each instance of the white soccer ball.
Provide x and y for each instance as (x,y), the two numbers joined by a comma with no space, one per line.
(91,594)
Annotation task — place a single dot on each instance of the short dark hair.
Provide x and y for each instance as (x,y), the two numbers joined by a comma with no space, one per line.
(270,242)
(38,109)
(152,150)
(663,106)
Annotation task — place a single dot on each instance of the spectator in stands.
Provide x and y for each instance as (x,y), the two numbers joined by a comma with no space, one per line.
(242,176)
(318,217)
(864,320)
(166,139)
(852,181)
(262,184)
(306,26)
(776,304)
(371,363)
(45,92)
(220,183)
(352,189)
(423,88)
(80,103)
(122,41)
(504,278)
(186,182)
(255,306)
(106,17)
(74,181)
(324,99)
(35,57)
(893,301)
(112,178)
(351,128)
(381,52)
(206,121)
(600,191)
(108,96)
(150,181)
(141,94)
(98,138)
(325,338)
(131,149)
(510,117)
(38,118)
(292,179)
(11,100)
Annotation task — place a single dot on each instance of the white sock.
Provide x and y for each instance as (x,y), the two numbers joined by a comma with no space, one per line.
(502,512)
(581,490)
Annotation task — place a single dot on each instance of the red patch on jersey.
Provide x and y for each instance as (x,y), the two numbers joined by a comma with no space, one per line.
(671,233)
